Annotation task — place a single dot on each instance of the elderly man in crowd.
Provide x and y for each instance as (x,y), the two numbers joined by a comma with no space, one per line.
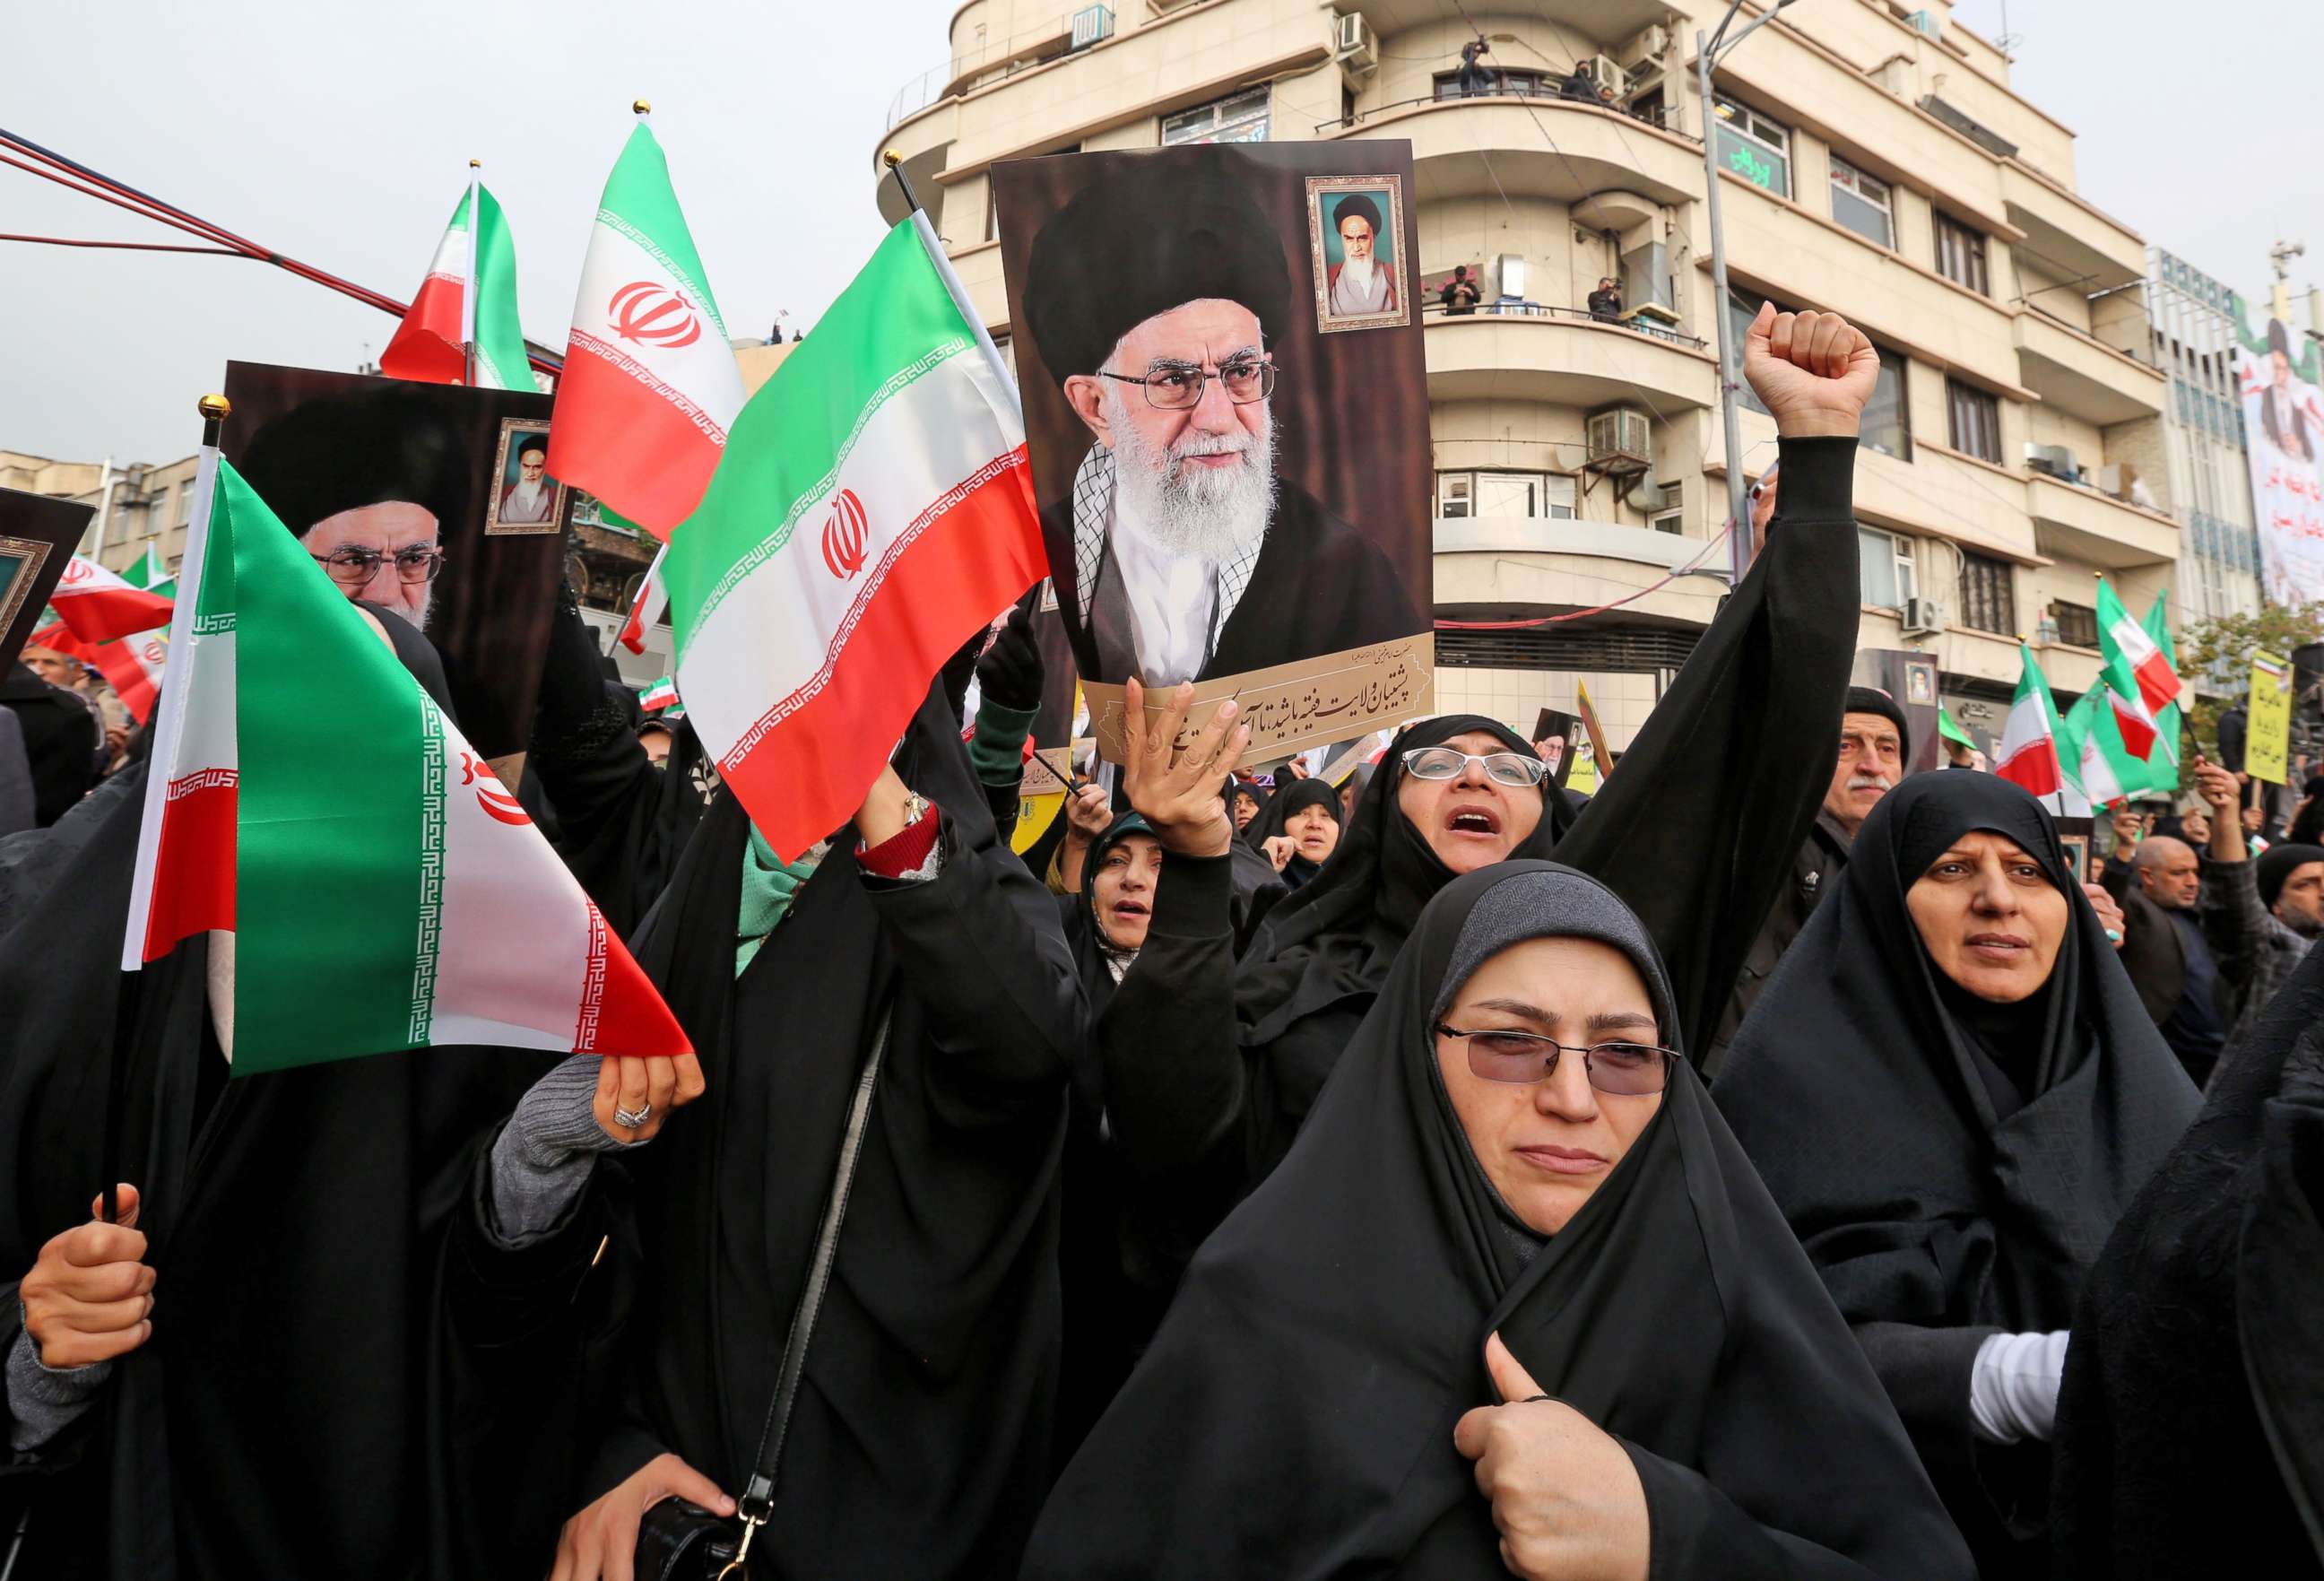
(1189,556)
(1872,733)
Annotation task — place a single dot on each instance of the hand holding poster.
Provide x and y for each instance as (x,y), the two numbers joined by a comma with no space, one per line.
(2267,748)
(1227,418)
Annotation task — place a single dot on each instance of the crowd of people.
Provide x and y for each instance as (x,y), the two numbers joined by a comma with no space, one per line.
(1774,1164)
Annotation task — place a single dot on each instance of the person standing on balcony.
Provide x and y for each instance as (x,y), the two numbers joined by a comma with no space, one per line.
(1580,86)
(1461,295)
(1476,76)
(1606,301)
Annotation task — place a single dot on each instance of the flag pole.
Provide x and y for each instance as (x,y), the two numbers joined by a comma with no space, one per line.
(468,286)
(895,164)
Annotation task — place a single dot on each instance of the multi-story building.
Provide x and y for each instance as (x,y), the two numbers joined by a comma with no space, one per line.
(2192,322)
(137,506)
(1875,163)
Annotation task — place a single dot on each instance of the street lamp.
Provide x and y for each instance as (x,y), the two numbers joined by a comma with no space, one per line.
(1730,355)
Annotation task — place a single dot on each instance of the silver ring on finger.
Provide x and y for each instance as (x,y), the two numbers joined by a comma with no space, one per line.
(631,1119)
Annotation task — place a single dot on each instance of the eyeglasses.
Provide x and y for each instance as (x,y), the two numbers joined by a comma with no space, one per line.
(1503,768)
(1178,386)
(351,567)
(1627,1070)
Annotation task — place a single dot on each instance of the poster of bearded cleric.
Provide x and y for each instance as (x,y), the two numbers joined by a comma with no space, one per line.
(404,493)
(2283,426)
(1227,415)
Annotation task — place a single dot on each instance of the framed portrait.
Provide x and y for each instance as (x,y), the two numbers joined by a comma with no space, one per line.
(37,537)
(1356,249)
(524,499)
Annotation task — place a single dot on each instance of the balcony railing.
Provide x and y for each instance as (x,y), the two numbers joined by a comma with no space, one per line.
(997,59)
(1530,309)
(1663,116)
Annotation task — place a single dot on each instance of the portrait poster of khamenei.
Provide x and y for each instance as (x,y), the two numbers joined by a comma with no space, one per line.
(1234,476)
(391,487)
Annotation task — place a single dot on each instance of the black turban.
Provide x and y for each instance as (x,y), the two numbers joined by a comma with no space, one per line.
(532,445)
(341,452)
(2277,864)
(1356,206)
(2279,338)
(1871,699)
(1120,252)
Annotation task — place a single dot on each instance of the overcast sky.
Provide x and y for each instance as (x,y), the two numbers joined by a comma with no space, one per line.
(340,134)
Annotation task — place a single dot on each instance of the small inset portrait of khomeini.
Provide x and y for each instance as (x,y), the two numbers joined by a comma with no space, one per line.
(1158,306)
(1355,233)
(525,498)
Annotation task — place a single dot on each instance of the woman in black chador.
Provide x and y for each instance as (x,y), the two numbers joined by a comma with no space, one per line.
(1952,1092)
(1510,1304)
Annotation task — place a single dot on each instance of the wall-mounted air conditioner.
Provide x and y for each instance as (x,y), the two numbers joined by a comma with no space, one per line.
(2052,460)
(1604,73)
(1351,41)
(1091,24)
(1618,441)
(1510,277)
(1922,617)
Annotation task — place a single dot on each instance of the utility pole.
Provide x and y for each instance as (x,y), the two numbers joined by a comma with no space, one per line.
(1730,355)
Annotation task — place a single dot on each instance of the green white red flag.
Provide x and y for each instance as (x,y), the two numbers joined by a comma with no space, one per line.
(2028,754)
(131,665)
(651,386)
(2134,667)
(873,510)
(647,606)
(468,300)
(151,575)
(2165,773)
(309,796)
(662,694)
(2091,752)
(97,606)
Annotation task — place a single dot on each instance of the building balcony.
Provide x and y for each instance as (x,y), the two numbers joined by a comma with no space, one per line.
(2095,251)
(1943,494)
(2098,529)
(1503,567)
(1801,259)
(1602,19)
(1528,352)
(2082,376)
(1552,148)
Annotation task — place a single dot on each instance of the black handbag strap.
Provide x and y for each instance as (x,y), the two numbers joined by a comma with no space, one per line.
(759,1496)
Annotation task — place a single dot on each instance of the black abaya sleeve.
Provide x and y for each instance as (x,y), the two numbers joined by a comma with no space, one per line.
(586,752)
(1697,828)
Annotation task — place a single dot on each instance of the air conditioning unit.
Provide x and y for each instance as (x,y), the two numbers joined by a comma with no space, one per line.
(1091,24)
(1927,23)
(1651,44)
(1604,73)
(2052,461)
(1618,441)
(1922,617)
(1510,277)
(1351,41)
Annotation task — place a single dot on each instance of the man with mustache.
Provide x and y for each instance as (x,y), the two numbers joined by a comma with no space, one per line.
(1179,552)
(1871,761)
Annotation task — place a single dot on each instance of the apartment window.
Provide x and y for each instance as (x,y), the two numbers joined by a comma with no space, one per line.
(1986,601)
(1239,117)
(1524,84)
(116,526)
(155,516)
(1960,254)
(1755,148)
(2077,623)
(1973,420)
(1669,522)
(185,502)
(1505,494)
(1884,569)
(1742,306)
(1860,202)
(1887,424)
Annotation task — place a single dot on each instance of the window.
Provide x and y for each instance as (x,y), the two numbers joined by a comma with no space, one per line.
(1887,424)
(1755,148)
(1986,603)
(1505,494)
(1885,568)
(1741,308)
(1973,420)
(1960,254)
(1860,202)
(1671,521)
(1238,118)
(116,526)
(2077,623)
(185,502)
(1524,84)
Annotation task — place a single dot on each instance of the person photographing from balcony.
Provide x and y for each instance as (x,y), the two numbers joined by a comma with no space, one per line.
(1460,295)
(1606,301)
(1476,76)
(1579,86)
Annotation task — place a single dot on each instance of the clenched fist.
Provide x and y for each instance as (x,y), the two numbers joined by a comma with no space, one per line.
(1814,372)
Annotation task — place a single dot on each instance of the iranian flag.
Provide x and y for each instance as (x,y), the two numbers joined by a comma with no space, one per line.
(151,575)
(97,606)
(2092,755)
(651,602)
(2135,666)
(659,694)
(2167,720)
(468,301)
(132,666)
(307,795)
(872,512)
(2028,754)
(650,387)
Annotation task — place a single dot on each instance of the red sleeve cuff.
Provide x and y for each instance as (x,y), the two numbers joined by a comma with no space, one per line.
(901,855)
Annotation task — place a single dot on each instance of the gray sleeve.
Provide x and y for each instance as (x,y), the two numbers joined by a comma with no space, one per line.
(542,1159)
(44,1401)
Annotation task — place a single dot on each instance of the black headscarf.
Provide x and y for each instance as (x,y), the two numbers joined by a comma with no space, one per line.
(1331,1333)
(1950,1164)
(1092,945)
(2191,1425)
(1275,819)
(1256,795)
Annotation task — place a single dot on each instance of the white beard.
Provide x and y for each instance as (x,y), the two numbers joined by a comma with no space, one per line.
(1357,273)
(1208,514)
(528,493)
